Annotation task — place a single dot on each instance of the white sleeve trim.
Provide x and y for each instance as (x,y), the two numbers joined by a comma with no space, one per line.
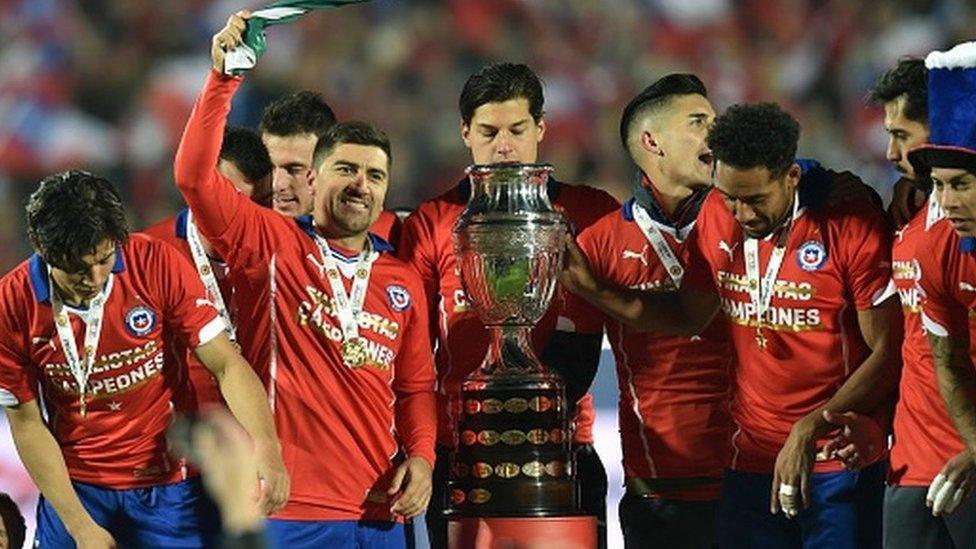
(885,293)
(962,56)
(933,327)
(7,398)
(211,330)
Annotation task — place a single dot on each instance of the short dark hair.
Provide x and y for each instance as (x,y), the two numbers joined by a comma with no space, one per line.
(13,521)
(355,133)
(501,82)
(908,78)
(756,135)
(243,148)
(70,214)
(300,112)
(657,95)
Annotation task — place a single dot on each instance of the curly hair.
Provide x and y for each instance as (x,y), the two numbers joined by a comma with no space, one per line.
(756,135)
(70,214)
(909,78)
(501,82)
(296,113)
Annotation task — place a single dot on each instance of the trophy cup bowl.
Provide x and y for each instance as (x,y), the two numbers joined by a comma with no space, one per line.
(513,456)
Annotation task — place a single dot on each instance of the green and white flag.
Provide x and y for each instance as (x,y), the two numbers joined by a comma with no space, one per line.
(246,55)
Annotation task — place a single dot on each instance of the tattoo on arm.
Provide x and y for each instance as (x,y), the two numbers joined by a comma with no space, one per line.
(957,383)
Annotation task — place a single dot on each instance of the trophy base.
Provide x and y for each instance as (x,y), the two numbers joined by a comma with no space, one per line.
(513,457)
(579,532)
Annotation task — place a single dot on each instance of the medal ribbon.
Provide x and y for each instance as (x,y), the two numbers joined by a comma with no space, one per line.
(349,306)
(80,367)
(761,291)
(206,272)
(661,248)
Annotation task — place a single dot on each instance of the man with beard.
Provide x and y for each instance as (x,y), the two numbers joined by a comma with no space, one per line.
(290,127)
(348,363)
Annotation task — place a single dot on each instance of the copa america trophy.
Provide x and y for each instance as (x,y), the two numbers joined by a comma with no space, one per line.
(513,456)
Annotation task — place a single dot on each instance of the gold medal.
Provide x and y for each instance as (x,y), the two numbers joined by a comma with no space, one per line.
(513,437)
(534,469)
(457,496)
(469,438)
(482,470)
(479,495)
(540,404)
(491,406)
(488,438)
(537,436)
(516,405)
(354,352)
(555,468)
(557,436)
(507,469)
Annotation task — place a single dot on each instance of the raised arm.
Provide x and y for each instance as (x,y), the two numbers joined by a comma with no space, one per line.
(212,198)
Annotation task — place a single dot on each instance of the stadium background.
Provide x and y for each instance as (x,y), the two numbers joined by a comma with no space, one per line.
(108,85)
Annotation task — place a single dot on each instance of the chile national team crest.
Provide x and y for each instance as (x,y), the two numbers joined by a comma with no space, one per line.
(811,255)
(140,320)
(399,297)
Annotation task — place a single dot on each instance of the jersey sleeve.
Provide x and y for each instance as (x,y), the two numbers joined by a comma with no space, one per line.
(183,299)
(239,229)
(942,314)
(414,381)
(418,249)
(18,380)
(865,244)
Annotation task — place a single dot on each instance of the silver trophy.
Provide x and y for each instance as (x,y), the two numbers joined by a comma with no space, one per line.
(513,455)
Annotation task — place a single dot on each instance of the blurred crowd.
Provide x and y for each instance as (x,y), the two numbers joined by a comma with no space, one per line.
(108,85)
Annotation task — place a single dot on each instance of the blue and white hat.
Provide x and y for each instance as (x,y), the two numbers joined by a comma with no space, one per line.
(952,111)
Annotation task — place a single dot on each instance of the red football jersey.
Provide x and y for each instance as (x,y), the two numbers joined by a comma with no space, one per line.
(388,226)
(674,391)
(462,340)
(340,427)
(200,389)
(837,262)
(154,295)
(925,438)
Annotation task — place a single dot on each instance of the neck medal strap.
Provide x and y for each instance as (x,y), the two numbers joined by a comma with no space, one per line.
(353,349)
(202,263)
(81,367)
(660,245)
(761,291)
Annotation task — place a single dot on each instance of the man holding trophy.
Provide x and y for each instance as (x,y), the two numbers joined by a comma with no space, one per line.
(501,123)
